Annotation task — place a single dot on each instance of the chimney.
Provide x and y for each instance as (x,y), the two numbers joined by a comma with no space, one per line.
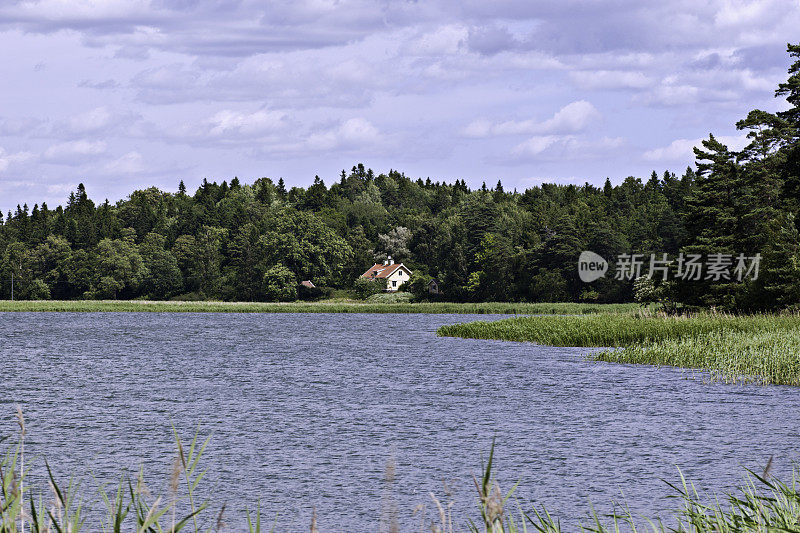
(391,261)
(385,262)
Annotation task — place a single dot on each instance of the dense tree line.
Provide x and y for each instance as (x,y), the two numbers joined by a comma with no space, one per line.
(257,241)
(244,242)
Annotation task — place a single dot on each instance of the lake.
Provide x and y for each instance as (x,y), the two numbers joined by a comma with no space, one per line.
(305,410)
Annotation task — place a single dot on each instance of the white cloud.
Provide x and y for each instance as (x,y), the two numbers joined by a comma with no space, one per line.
(535,145)
(130,163)
(60,188)
(92,120)
(73,10)
(672,95)
(553,147)
(225,128)
(353,133)
(7,159)
(74,152)
(682,149)
(571,118)
(142,87)
(610,79)
(229,122)
(739,12)
(16,127)
(445,40)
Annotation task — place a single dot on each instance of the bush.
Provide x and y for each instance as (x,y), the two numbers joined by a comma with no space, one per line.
(364,288)
(549,286)
(106,289)
(38,290)
(342,294)
(314,293)
(280,284)
(644,290)
(390,298)
(165,277)
(418,286)
(589,296)
(196,296)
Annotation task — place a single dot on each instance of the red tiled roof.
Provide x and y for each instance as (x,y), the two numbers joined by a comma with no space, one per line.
(380,270)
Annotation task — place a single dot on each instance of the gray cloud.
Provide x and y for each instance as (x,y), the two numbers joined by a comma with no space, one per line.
(103,85)
(145,89)
(490,40)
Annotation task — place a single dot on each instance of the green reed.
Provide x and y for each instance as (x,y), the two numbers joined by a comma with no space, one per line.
(766,357)
(751,348)
(762,504)
(330,306)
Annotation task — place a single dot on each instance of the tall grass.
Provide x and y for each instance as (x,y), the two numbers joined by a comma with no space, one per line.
(753,348)
(129,507)
(331,306)
(765,357)
(762,504)
(614,329)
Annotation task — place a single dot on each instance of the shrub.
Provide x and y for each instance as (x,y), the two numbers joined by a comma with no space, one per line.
(364,288)
(644,290)
(280,284)
(107,288)
(548,286)
(390,298)
(195,296)
(418,286)
(313,293)
(38,290)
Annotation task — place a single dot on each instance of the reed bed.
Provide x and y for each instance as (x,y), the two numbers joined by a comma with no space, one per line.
(764,357)
(732,349)
(762,504)
(335,306)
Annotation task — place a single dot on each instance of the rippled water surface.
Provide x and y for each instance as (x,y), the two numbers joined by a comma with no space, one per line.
(304,410)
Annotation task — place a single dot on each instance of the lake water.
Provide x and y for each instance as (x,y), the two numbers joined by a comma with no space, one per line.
(305,410)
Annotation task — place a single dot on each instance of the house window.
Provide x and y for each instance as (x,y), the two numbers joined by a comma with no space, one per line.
(394,284)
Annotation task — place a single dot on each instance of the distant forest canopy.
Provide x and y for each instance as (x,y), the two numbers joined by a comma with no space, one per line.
(236,241)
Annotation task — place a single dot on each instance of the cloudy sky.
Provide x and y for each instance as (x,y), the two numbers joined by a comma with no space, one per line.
(123,94)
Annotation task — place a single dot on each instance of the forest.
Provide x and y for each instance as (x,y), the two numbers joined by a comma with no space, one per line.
(257,241)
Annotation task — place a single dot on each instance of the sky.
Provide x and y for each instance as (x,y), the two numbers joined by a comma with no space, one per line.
(126,94)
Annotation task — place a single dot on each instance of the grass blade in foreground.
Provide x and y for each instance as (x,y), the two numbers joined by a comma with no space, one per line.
(761,504)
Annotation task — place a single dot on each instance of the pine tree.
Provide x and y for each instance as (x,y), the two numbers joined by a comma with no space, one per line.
(715,211)
(282,188)
(791,90)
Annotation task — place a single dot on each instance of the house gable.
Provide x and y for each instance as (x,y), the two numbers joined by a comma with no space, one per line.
(395,274)
(386,271)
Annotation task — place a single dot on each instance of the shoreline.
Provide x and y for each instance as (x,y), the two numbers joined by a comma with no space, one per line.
(336,306)
(729,348)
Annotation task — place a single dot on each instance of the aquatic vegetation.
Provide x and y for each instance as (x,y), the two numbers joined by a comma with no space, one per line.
(330,306)
(391,297)
(730,348)
(612,330)
(762,503)
(767,357)
(130,507)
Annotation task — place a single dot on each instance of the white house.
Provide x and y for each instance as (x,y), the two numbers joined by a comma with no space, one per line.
(395,274)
